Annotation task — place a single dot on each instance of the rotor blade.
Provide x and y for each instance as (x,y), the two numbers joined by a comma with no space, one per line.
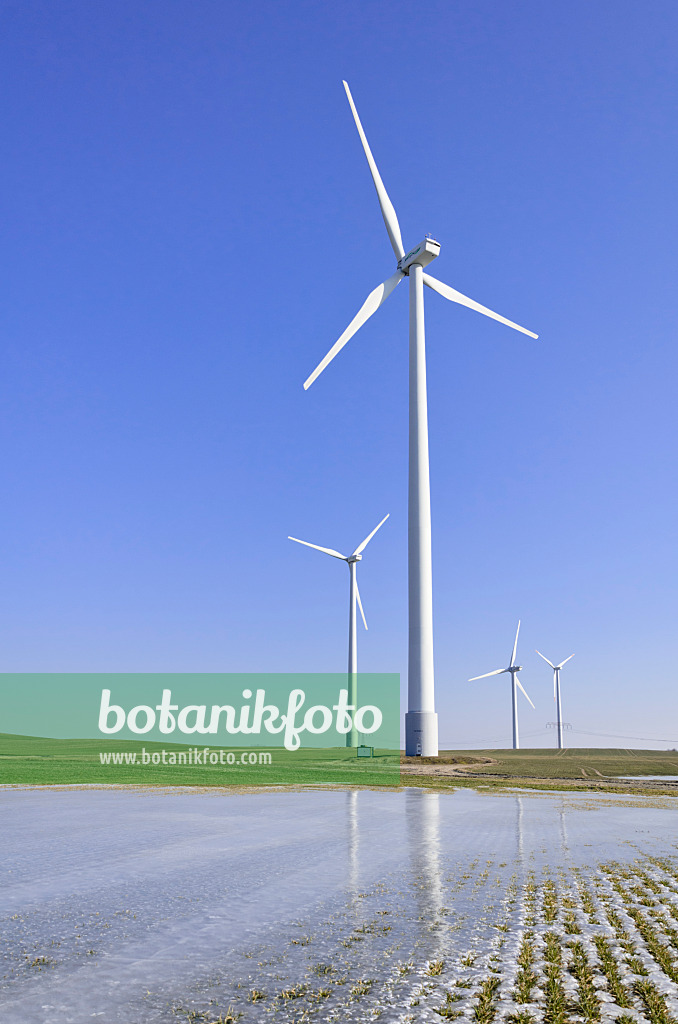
(328,551)
(370,306)
(521,687)
(360,604)
(497,672)
(515,646)
(545,659)
(361,547)
(564,662)
(555,683)
(454,296)
(387,210)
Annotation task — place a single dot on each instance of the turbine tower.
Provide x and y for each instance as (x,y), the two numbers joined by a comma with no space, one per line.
(421,720)
(354,598)
(556,694)
(515,684)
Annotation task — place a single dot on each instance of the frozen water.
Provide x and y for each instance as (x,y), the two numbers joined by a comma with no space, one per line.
(657,778)
(125,906)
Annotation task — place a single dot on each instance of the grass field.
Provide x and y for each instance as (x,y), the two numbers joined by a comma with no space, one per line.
(577,769)
(40,761)
(576,763)
(33,760)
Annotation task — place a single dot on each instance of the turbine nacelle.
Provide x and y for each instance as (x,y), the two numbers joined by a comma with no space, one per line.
(516,668)
(354,558)
(423,254)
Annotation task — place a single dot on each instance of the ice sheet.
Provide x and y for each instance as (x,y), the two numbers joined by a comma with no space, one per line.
(126,906)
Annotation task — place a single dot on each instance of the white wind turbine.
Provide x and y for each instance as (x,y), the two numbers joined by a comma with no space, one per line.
(353,559)
(421,721)
(556,694)
(515,683)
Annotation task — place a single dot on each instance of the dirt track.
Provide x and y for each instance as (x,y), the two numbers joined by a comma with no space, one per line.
(442,769)
(468,770)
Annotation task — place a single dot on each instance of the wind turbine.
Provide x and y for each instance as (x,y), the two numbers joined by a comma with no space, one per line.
(515,683)
(421,720)
(353,559)
(556,694)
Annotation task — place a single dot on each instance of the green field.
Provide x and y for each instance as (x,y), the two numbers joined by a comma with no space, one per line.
(40,761)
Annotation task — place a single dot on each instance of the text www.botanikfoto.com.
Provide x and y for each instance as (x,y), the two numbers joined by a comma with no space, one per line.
(193,756)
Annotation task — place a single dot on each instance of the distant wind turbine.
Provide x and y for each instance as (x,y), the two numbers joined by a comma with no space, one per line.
(421,720)
(353,559)
(556,694)
(515,682)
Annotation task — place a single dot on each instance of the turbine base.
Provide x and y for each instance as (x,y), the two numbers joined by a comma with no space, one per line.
(421,734)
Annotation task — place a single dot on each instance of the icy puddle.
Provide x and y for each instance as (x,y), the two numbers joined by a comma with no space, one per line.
(337,906)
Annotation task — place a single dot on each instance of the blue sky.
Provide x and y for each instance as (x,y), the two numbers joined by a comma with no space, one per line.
(189,225)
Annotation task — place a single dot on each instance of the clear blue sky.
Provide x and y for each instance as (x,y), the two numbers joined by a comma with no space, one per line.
(189,224)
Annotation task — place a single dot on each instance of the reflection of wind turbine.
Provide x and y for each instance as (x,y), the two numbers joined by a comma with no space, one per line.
(421,721)
(351,736)
(519,828)
(353,840)
(422,811)
(562,813)
(556,694)
(515,682)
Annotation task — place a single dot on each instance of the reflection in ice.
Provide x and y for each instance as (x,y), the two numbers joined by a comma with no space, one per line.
(143,907)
